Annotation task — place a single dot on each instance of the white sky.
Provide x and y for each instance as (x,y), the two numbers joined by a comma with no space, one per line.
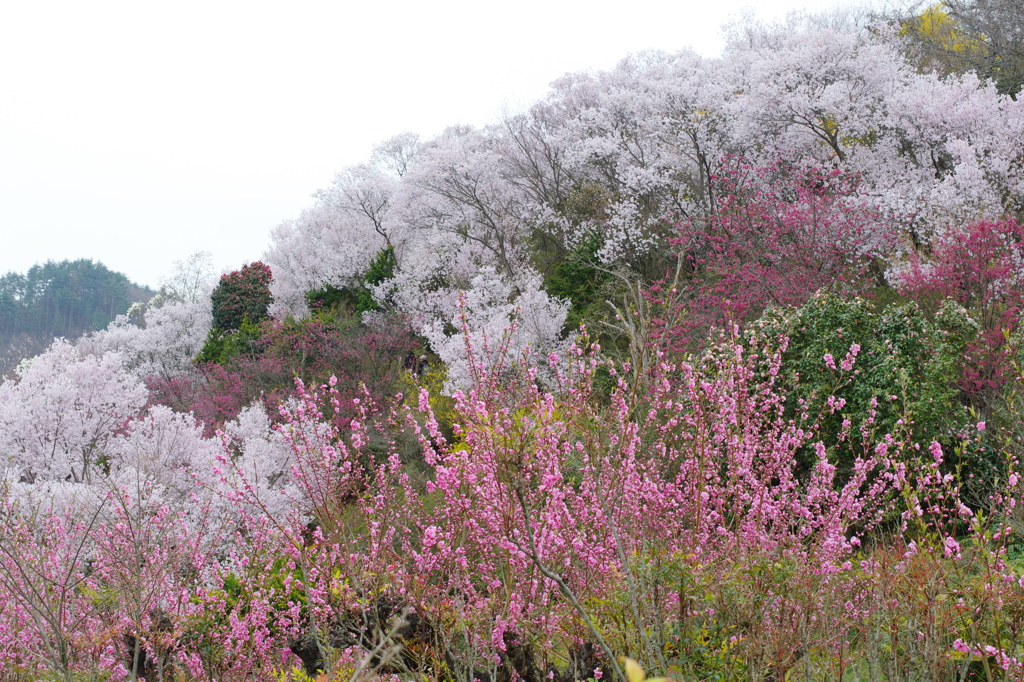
(137,133)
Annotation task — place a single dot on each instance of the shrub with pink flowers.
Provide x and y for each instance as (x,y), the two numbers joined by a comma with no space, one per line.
(561,528)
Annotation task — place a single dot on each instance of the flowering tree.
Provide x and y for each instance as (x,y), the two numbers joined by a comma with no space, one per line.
(188,282)
(97,499)
(615,159)
(57,418)
(777,235)
(550,503)
(160,339)
(162,345)
(44,583)
(325,246)
(331,244)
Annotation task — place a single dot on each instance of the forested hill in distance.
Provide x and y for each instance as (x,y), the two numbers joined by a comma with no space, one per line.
(64,299)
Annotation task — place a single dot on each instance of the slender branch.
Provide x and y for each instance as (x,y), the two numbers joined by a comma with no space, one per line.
(565,589)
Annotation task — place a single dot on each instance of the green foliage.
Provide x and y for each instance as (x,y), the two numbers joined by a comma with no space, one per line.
(907,366)
(360,295)
(330,297)
(580,279)
(66,299)
(282,581)
(221,347)
(242,295)
(382,267)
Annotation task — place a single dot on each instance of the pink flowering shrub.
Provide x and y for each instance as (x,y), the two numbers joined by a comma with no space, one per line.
(553,513)
(559,528)
(333,539)
(105,583)
(946,598)
(551,505)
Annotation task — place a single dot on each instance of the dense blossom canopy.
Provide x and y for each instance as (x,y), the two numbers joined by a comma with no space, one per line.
(621,156)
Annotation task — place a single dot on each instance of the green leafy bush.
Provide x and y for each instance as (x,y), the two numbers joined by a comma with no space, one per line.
(580,279)
(358,296)
(903,375)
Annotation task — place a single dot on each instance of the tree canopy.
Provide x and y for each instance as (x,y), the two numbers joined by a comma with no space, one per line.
(60,299)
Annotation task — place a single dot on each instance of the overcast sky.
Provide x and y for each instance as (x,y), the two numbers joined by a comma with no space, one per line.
(137,133)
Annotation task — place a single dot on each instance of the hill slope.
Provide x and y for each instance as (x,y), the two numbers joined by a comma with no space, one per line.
(66,299)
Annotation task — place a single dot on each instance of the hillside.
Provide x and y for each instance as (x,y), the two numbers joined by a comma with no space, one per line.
(714,364)
(64,299)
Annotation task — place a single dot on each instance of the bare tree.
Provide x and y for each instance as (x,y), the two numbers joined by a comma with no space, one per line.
(956,36)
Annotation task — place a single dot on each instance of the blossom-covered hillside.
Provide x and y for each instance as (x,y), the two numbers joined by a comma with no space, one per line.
(706,366)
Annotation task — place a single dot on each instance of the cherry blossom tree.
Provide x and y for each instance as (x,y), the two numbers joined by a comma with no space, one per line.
(98,496)
(466,223)
(189,280)
(162,338)
(57,418)
(163,345)
(332,243)
(652,131)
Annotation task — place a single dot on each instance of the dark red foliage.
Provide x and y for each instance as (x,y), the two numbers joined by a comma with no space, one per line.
(981,267)
(777,234)
(312,350)
(242,295)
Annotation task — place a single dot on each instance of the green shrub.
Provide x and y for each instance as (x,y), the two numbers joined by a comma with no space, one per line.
(905,372)
(358,296)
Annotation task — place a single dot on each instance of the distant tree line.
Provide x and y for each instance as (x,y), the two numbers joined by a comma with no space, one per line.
(66,299)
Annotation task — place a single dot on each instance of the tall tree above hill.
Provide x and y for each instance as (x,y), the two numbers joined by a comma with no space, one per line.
(242,295)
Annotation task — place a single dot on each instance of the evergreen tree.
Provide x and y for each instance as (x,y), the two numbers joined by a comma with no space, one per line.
(59,299)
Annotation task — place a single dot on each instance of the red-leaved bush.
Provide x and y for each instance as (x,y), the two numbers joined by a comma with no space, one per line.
(776,234)
(981,267)
(359,357)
